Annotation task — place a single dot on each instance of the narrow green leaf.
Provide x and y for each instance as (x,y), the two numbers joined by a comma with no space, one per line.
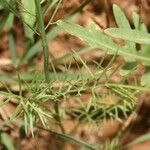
(136,20)
(5,140)
(3,21)
(120,17)
(71,139)
(123,22)
(1,7)
(140,139)
(43,38)
(10,21)
(7,16)
(12,48)
(31,122)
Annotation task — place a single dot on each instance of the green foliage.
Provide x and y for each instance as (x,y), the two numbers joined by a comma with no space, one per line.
(110,145)
(71,139)
(138,35)
(40,102)
(123,22)
(130,35)
(140,139)
(97,39)
(28,13)
(93,37)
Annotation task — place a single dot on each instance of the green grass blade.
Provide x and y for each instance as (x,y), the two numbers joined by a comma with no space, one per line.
(12,48)
(6,16)
(10,22)
(140,139)
(52,34)
(3,21)
(5,140)
(8,6)
(71,139)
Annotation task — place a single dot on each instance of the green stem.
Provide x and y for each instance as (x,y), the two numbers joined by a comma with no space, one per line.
(40,19)
(57,117)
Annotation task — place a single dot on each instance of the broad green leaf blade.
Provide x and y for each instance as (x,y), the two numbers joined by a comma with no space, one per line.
(129,34)
(135,36)
(93,37)
(96,39)
(28,13)
(123,22)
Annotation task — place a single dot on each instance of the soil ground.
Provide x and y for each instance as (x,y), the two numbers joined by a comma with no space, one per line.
(96,11)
